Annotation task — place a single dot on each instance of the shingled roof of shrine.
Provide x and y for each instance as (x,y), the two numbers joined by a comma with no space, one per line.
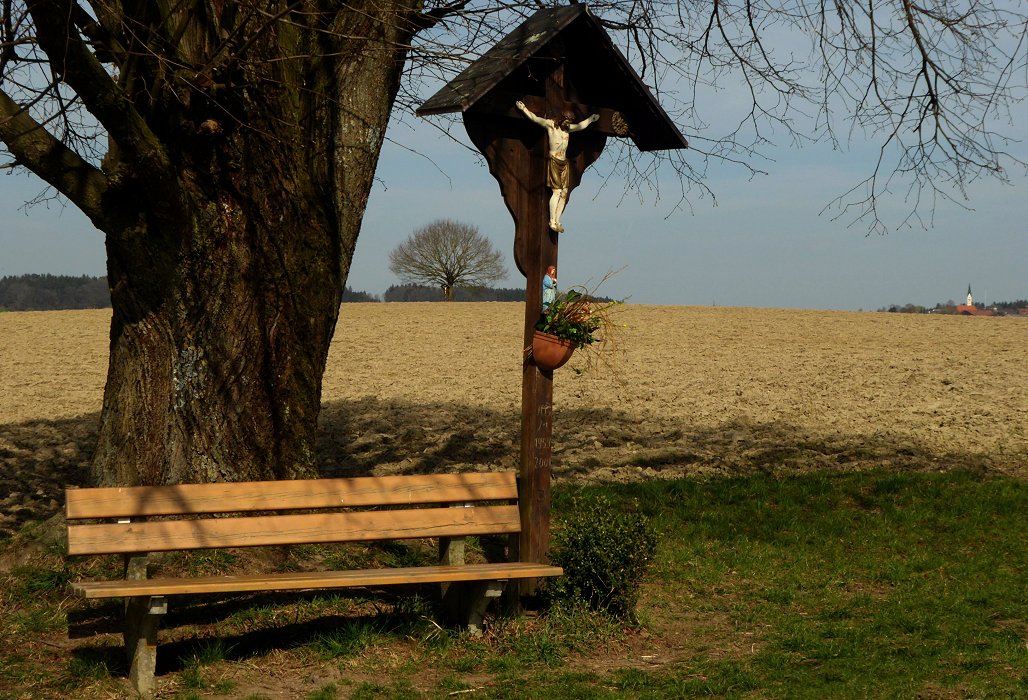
(602,74)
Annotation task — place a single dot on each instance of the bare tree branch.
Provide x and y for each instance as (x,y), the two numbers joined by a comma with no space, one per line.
(36,149)
(74,62)
(929,82)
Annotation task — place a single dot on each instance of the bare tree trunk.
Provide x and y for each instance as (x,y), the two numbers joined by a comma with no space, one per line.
(225,303)
(217,349)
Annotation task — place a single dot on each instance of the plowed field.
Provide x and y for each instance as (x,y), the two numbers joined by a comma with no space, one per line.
(697,390)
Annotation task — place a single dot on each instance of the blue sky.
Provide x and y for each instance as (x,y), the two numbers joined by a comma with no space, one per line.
(765,243)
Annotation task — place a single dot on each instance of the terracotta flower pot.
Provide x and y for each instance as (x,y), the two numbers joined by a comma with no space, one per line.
(550,352)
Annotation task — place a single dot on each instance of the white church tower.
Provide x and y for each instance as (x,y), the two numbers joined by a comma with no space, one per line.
(970,298)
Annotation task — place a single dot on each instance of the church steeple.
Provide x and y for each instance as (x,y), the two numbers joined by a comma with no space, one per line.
(970,297)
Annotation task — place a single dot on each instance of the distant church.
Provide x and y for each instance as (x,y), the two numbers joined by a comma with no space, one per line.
(969,309)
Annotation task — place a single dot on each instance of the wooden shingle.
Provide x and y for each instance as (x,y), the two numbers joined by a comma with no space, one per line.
(596,72)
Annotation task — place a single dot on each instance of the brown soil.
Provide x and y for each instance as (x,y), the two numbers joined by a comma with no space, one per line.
(416,387)
(701,389)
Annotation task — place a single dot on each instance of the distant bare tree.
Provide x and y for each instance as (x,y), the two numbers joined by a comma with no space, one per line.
(447,254)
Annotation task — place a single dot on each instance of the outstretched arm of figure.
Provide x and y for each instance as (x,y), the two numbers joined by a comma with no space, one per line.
(531,115)
(584,123)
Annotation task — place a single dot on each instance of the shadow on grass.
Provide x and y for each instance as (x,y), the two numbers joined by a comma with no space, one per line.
(238,627)
(38,459)
(369,436)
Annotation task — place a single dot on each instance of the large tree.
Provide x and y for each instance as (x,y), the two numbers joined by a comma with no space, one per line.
(447,254)
(226,148)
(241,142)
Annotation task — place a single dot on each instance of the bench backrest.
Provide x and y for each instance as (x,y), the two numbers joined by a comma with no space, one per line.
(264,512)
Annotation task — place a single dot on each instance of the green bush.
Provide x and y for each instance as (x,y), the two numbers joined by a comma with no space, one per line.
(604,551)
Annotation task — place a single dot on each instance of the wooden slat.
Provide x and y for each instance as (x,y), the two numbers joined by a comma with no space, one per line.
(141,501)
(362,526)
(323,579)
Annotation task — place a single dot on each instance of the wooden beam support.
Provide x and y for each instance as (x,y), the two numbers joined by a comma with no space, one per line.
(136,501)
(264,530)
(308,580)
(517,151)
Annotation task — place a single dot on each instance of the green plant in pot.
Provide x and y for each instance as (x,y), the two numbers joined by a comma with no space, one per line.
(574,319)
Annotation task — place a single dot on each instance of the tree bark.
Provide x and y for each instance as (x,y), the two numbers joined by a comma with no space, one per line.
(226,290)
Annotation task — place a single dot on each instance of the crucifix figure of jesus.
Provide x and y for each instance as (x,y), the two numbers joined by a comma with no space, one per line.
(558,178)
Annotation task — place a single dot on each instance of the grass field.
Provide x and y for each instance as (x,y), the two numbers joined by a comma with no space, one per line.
(841,497)
(860,585)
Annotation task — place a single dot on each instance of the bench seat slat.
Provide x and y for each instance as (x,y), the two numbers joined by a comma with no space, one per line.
(321,579)
(139,501)
(361,526)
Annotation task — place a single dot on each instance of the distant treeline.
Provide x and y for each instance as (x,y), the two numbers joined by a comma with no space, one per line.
(950,307)
(416,292)
(55,292)
(52,292)
(351,296)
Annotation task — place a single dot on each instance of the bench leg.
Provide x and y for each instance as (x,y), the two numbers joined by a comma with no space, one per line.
(142,618)
(451,551)
(466,602)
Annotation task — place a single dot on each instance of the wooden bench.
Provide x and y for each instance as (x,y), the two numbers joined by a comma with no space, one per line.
(223,515)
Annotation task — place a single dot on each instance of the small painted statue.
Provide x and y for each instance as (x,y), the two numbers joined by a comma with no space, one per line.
(549,287)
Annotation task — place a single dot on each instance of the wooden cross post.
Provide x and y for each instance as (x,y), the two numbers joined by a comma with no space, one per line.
(517,157)
(553,60)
